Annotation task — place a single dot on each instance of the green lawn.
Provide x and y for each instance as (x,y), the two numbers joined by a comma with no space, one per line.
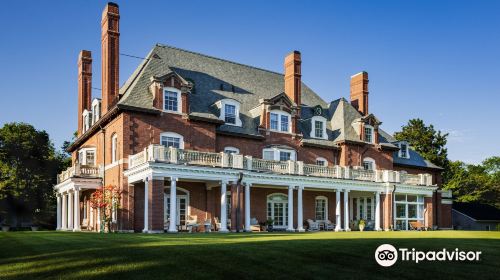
(327,255)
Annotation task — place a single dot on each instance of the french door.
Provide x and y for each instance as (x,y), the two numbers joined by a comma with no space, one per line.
(277,210)
(182,204)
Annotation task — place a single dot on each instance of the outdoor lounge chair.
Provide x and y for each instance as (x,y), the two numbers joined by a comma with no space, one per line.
(312,225)
(417,226)
(192,222)
(329,225)
(254,225)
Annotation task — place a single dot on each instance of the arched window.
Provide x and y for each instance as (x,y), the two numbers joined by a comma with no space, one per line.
(369,164)
(277,209)
(280,121)
(321,161)
(114,148)
(321,208)
(231,150)
(318,127)
(172,139)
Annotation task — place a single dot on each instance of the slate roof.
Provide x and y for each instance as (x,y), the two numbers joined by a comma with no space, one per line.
(250,84)
(479,212)
(415,160)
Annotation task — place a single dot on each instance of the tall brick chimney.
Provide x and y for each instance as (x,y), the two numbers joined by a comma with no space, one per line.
(293,77)
(359,92)
(110,45)
(84,85)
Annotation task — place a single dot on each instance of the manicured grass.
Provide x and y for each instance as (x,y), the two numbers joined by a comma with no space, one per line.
(323,255)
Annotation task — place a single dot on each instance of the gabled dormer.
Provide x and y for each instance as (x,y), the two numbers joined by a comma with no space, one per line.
(367,128)
(170,93)
(279,114)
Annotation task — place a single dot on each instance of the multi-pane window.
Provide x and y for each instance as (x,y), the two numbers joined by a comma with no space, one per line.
(321,162)
(367,165)
(90,158)
(231,150)
(408,208)
(284,123)
(320,209)
(369,134)
(404,150)
(280,122)
(318,129)
(170,141)
(284,156)
(274,121)
(268,155)
(171,101)
(230,113)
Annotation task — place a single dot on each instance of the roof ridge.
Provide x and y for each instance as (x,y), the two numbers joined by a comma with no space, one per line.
(217,58)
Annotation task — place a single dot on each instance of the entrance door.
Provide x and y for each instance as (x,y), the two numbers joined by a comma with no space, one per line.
(277,209)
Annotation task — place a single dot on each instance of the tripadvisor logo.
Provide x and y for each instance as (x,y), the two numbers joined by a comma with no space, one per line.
(386,255)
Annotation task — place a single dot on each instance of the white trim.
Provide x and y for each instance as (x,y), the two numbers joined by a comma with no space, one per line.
(285,212)
(276,153)
(173,135)
(222,106)
(86,120)
(114,147)
(179,100)
(407,149)
(321,197)
(281,113)
(229,149)
(372,133)
(83,160)
(322,159)
(96,110)
(313,127)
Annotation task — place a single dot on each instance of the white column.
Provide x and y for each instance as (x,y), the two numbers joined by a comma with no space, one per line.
(346,210)
(377,211)
(337,211)
(59,212)
(64,198)
(98,219)
(70,210)
(300,210)
(76,210)
(365,209)
(146,205)
(247,208)
(223,210)
(290,209)
(172,225)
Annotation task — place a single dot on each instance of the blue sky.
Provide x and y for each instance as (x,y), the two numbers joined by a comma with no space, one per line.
(436,60)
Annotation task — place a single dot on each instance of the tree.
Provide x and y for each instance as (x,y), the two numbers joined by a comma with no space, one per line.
(426,141)
(476,183)
(28,168)
(107,200)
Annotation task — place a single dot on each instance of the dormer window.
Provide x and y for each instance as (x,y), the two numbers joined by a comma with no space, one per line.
(280,121)
(172,100)
(318,127)
(403,150)
(86,120)
(368,134)
(230,112)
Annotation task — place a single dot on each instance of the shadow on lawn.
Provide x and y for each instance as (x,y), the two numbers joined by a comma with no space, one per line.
(262,256)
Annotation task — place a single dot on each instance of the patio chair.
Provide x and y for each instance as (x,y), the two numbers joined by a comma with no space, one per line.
(417,226)
(191,222)
(329,225)
(254,225)
(218,224)
(312,225)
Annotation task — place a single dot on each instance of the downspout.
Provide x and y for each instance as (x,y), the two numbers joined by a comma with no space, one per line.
(238,212)
(393,207)
(103,215)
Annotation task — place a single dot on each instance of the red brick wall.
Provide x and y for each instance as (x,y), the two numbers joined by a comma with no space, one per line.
(353,155)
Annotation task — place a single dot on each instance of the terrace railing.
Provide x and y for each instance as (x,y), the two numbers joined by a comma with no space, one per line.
(79,170)
(159,153)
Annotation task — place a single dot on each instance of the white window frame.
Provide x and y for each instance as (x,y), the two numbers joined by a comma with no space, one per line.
(324,198)
(325,162)
(421,209)
(276,153)
(222,106)
(179,100)
(114,148)
(96,110)
(313,127)
(370,160)
(280,114)
(82,155)
(173,135)
(372,134)
(86,120)
(231,150)
(407,150)
(270,213)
